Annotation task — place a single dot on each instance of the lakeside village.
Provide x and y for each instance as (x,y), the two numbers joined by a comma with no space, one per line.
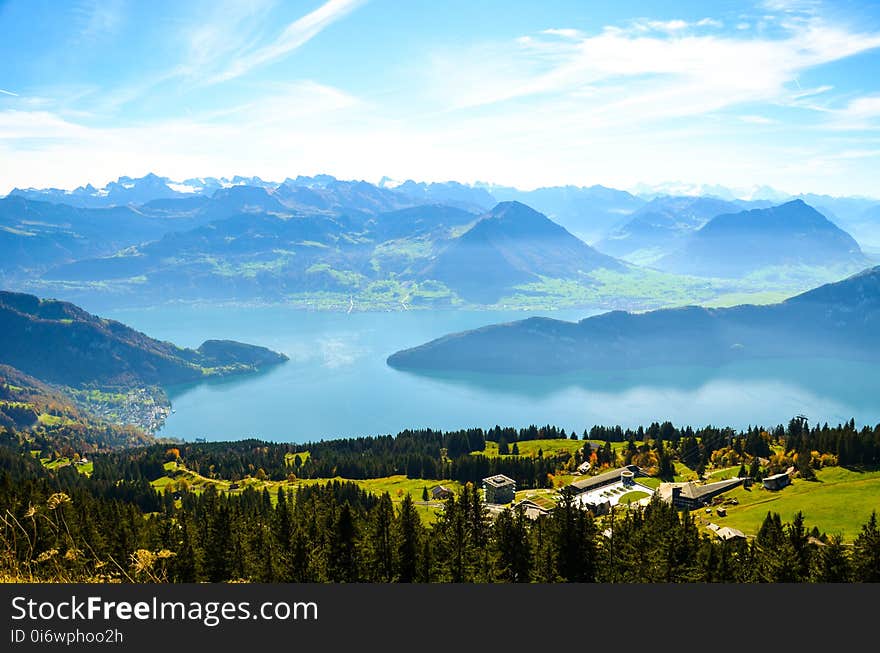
(144,407)
(600,494)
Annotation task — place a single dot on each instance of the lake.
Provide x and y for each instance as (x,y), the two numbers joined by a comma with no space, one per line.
(337,384)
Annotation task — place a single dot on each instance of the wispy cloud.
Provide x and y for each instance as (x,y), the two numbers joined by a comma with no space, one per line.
(227,29)
(563,32)
(792,6)
(42,125)
(95,18)
(294,36)
(5,92)
(757,120)
(859,114)
(640,100)
(666,67)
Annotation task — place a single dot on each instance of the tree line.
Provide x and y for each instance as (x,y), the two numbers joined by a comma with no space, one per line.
(70,529)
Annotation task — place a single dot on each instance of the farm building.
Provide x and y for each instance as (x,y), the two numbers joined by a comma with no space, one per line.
(531,509)
(725,532)
(691,496)
(622,474)
(499,489)
(778,481)
(440,492)
(598,508)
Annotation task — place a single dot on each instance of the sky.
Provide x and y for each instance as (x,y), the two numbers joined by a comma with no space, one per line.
(782,93)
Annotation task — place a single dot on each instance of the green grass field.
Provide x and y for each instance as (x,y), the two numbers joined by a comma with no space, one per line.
(290,457)
(633,496)
(66,462)
(649,481)
(684,473)
(722,473)
(839,502)
(546,498)
(530,447)
(397,486)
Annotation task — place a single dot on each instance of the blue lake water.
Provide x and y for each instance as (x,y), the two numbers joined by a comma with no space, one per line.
(337,384)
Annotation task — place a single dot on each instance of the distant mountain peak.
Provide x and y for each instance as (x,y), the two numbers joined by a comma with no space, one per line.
(734,244)
(515,209)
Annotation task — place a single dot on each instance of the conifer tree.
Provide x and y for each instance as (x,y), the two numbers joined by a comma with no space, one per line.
(408,531)
(866,553)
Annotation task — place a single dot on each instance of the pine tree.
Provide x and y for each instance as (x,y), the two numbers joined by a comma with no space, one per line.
(380,543)
(184,564)
(866,553)
(219,546)
(342,555)
(573,540)
(511,549)
(755,468)
(408,532)
(832,565)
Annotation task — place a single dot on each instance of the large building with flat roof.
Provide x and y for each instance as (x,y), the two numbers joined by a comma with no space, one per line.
(621,474)
(499,489)
(692,495)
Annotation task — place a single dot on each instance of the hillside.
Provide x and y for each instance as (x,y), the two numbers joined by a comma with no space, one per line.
(661,226)
(59,343)
(48,416)
(836,320)
(511,245)
(590,213)
(34,235)
(736,244)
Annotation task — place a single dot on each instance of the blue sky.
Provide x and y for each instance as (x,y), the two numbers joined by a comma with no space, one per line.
(784,93)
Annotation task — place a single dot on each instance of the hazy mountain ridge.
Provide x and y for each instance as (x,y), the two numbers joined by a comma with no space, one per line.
(587,212)
(840,320)
(735,244)
(510,245)
(320,237)
(661,226)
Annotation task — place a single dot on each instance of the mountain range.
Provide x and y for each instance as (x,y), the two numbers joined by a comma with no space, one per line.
(835,320)
(737,244)
(587,212)
(319,238)
(662,225)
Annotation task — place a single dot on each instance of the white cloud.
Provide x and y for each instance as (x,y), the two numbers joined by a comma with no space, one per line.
(20,125)
(5,92)
(792,6)
(859,114)
(97,18)
(561,106)
(810,92)
(757,120)
(693,72)
(565,33)
(294,36)
(661,25)
(228,27)
(283,102)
